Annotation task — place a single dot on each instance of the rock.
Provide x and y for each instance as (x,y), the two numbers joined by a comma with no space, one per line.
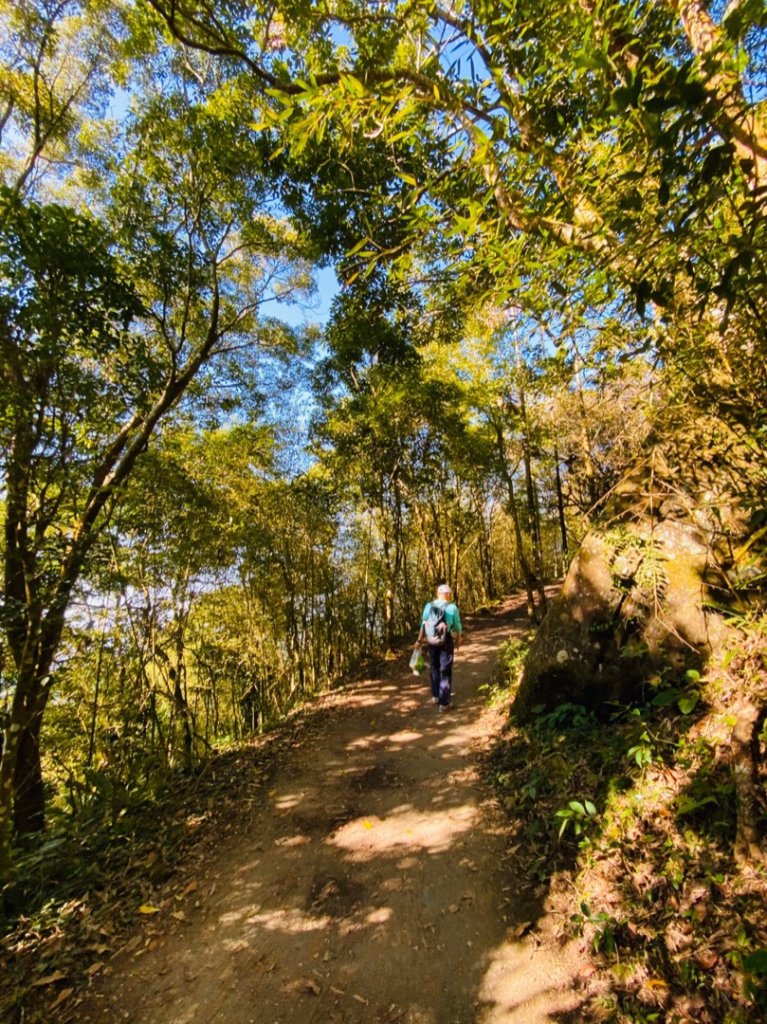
(631,609)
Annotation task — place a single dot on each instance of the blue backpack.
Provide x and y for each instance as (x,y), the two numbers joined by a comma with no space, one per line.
(436,627)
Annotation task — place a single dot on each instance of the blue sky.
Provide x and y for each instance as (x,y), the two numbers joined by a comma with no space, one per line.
(314,310)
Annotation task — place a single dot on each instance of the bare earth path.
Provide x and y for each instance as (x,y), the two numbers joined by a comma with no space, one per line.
(370,886)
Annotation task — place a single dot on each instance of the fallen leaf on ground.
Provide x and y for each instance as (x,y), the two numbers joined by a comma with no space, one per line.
(64,994)
(706,958)
(303,986)
(147,908)
(49,979)
(236,945)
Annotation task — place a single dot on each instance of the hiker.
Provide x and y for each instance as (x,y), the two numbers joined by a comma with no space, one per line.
(441,629)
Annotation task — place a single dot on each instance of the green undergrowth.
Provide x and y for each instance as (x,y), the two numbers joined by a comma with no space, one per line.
(77,893)
(624,827)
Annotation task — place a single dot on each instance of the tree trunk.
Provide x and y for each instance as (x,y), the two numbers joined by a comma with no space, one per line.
(389,618)
(365,621)
(485,548)
(182,709)
(96,697)
(7,770)
(533,518)
(560,502)
(389,570)
(733,116)
(29,792)
(527,573)
(535,531)
(22,794)
(589,470)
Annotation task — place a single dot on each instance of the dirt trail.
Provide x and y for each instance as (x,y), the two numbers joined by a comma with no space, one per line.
(371,886)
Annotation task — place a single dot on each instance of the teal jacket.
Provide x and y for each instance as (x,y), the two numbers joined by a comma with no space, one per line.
(452,615)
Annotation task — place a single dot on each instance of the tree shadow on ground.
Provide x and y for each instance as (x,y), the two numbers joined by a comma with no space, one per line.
(374,884)
(628,825)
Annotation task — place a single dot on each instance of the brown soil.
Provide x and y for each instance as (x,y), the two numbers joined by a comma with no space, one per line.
(372,884)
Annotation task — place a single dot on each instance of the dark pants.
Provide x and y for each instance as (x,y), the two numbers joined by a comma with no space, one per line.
(442,671)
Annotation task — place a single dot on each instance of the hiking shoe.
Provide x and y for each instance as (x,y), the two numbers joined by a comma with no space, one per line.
(443,707)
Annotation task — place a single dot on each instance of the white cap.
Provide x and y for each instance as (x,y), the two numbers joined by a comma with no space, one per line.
(443,588)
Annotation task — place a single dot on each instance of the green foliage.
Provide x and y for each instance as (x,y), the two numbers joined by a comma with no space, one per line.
(576,816)
(549,228)
(603,927)
(66,305)
(657,857)
(643,751)
(512,656)
(70,370)
(754,966)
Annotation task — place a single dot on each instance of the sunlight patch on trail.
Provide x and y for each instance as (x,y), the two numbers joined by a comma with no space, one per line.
(288,920)
(362,698)
(520,987)
(288,801)
(404,831)
(379,916)
(396,739)
(404,736)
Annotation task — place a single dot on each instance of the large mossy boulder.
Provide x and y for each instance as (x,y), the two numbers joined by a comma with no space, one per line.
(639,605)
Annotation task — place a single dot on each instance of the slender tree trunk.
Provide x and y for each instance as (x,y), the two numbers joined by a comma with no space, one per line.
(236,708)
(489,561)
(589,469)
(532,501)
(426,533)
(455,567)
(96,696)
(29,792)
(535,529)
(399,558)
(485,529)
(181,703)
(527,573)
(366,623)
(389,569)
(560,502)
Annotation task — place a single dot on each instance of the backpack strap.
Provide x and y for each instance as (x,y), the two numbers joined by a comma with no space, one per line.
(441,611)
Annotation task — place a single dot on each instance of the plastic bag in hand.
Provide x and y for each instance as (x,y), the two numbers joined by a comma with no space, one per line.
(417,663)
